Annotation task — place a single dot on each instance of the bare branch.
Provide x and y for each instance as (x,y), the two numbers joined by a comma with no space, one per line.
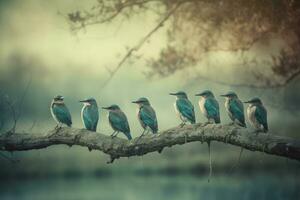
(140,44)
(117,147)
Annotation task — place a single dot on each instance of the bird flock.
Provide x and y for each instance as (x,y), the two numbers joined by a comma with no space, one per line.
(209,107)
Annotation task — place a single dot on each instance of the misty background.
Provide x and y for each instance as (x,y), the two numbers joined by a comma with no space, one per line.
(38,52)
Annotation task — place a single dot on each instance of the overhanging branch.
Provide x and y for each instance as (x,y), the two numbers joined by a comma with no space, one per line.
(118,147)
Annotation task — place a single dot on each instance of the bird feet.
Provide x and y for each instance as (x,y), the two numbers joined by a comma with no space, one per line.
(58,127)
(206,123)
(231,124)
(113,135)
(256,132)
(182,125)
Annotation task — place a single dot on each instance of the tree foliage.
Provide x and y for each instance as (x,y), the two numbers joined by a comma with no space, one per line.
(199,27)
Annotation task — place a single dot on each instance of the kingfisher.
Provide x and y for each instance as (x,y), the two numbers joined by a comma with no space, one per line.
(146,115)
(257,114)
(60,112)
(118,121)
(184,108)
(209,106)
(90,114)
(235,108)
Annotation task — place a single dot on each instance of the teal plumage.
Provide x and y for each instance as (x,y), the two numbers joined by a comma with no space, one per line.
(118,122)
(90,114)
(186,109)
(209,106)
(235,108)
(212,109)
(148,118)
(261,116)
(257,114)
(60,112)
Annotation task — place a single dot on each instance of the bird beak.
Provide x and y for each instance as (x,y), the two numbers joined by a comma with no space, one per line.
(134,102)
(83,101)
(247,102)
(173,94)
(223,95)
(200,94)
(106,108)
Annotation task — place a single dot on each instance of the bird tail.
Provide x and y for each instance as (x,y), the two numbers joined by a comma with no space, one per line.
(128,135)
(193,121)
(217,120)
(243,124)
(266,128)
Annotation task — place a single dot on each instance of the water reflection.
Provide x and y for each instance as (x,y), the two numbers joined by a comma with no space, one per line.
(154,187)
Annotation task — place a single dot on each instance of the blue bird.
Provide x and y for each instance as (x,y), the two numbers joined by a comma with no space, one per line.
(146,115)
(60,112)
(209,106)
(184,108)
(90,114)
(235,108)
(118,121)
(257,114)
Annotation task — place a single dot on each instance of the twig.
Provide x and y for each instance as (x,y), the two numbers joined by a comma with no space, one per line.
(238,161)
(210,164)
(140,44)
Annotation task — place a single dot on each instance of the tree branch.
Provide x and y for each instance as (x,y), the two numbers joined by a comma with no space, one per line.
(118,147)
(140,44)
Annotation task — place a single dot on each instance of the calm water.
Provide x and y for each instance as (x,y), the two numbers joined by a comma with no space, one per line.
(154,187)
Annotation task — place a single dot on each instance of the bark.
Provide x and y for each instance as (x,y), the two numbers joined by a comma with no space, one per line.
(118,147)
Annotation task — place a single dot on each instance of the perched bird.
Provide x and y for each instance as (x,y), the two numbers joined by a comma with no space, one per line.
(235,108)
(146,115)
(184,108)
(90,114)
(209,106)
(257,114)
(118,121)
(60,112)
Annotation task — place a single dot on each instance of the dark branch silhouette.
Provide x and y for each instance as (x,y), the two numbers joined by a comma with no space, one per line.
(118,147)
(139,45)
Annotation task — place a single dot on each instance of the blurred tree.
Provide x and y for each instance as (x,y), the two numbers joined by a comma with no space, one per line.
(199,27)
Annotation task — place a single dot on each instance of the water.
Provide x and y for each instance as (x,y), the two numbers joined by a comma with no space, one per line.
(133,187)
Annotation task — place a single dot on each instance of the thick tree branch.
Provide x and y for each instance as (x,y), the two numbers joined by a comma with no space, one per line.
(118,147)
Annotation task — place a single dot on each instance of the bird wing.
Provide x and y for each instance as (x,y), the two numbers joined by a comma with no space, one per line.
(236,107)
(62,114)
(148,116)
(261,116)
(186,108)
(212,107)
(119,122)
(91,117)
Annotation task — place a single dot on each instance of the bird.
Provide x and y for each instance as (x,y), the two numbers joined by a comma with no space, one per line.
(257,115)
(146,115)
(184,108)
(209,106)
(118,121)
(235,108)
(90,114)
(60,112)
